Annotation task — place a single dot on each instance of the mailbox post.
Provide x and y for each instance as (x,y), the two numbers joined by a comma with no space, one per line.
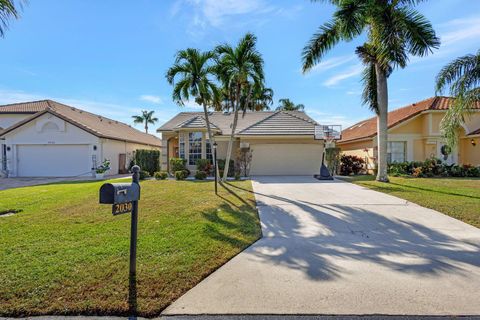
(124,198)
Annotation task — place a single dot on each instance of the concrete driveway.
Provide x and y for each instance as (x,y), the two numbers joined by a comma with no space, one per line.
(338,248)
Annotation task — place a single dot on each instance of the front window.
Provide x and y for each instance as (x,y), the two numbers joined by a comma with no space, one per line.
(194,147)
(396,151)
(208,149)
(181,146)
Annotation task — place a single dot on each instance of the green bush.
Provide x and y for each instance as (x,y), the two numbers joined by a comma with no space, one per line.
(181,174)
(432,167)
(148,160)
(160,175)
(221,167)
(204,165)
(351,165)
(200,175)
(178,164)
(144,175)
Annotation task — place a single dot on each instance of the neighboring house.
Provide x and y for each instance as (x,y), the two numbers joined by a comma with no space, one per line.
(282,143)
(49,139)
(414,135)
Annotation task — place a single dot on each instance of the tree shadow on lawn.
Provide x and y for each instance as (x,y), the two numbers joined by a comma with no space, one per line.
(317,238)
(240,220)
(429,190)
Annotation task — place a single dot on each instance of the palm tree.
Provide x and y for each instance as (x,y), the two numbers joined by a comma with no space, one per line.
(288,105)
(462,77)
(7,12)
(196,73)
(146,117)
(240,70)
(394,31)
(262,99)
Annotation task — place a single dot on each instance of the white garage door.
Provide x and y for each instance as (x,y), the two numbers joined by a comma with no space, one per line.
(52,160)
(286,159)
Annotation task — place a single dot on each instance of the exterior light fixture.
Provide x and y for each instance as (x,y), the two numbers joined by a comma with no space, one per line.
(473,142)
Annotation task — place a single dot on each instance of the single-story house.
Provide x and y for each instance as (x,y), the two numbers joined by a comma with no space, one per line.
(282,143)
(414,135)
(49,139)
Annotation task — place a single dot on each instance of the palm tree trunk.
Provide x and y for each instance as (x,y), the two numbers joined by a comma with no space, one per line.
(146,127)
(382,123)
(232,135)
(210,137)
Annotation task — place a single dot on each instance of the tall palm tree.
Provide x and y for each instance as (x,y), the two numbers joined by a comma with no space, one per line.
(8,10)
(288,105)
(146,117)
(394,31)
(240,69)
(196,73)
(462,77)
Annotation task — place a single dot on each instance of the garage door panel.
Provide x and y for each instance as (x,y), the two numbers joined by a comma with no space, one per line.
(286,159)
(53,160)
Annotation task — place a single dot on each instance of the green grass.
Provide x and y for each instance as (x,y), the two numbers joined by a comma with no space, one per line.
(456,197)
(66,254)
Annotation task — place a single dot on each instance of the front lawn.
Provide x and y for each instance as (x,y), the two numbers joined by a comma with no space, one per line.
(66,254)
(456,197)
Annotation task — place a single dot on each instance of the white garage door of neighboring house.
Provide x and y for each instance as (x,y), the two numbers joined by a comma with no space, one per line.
(286,159)
(52,160)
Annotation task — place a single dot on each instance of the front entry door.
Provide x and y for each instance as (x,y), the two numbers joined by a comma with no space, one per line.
(122,163)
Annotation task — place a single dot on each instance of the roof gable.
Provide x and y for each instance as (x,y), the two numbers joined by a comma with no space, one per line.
(97,125)
(368,128)
(196,122)
(281,123)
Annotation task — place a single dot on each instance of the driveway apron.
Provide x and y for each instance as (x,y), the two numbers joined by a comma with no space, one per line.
(332,247)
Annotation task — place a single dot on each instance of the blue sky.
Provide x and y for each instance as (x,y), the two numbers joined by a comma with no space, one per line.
(110,57)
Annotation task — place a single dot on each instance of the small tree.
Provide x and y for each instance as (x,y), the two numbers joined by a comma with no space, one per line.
(244,159)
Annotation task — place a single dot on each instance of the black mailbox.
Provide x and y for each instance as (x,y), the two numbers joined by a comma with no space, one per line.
(114,193)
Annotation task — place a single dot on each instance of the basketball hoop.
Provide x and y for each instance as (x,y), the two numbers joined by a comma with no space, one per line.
(329,134)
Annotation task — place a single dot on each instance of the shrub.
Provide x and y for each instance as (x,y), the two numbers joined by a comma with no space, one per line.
(160,175)
(178,164)
(351,165)
(204,165)
(332,159)
(418,172)
(244,160)
(144,175)
(200,175)
(181,174)
(399,169)
(148,160)
(221,167)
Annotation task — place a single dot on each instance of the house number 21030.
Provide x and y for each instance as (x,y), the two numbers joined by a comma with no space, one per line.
(120,208)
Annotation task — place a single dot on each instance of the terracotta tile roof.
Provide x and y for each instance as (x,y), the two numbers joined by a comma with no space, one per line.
(368,128)
(97,125)
(25,107)
(223,121)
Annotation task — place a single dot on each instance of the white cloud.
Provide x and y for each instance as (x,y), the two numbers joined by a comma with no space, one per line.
(331,63)
(220,14)
(346,74)
(151,98)
(460,30)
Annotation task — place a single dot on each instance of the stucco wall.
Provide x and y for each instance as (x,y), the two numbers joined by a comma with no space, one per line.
(470,153)
(7,120)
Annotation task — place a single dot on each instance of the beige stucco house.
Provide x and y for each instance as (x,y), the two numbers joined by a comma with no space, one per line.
(282,143)
(414,135)
(49,139)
